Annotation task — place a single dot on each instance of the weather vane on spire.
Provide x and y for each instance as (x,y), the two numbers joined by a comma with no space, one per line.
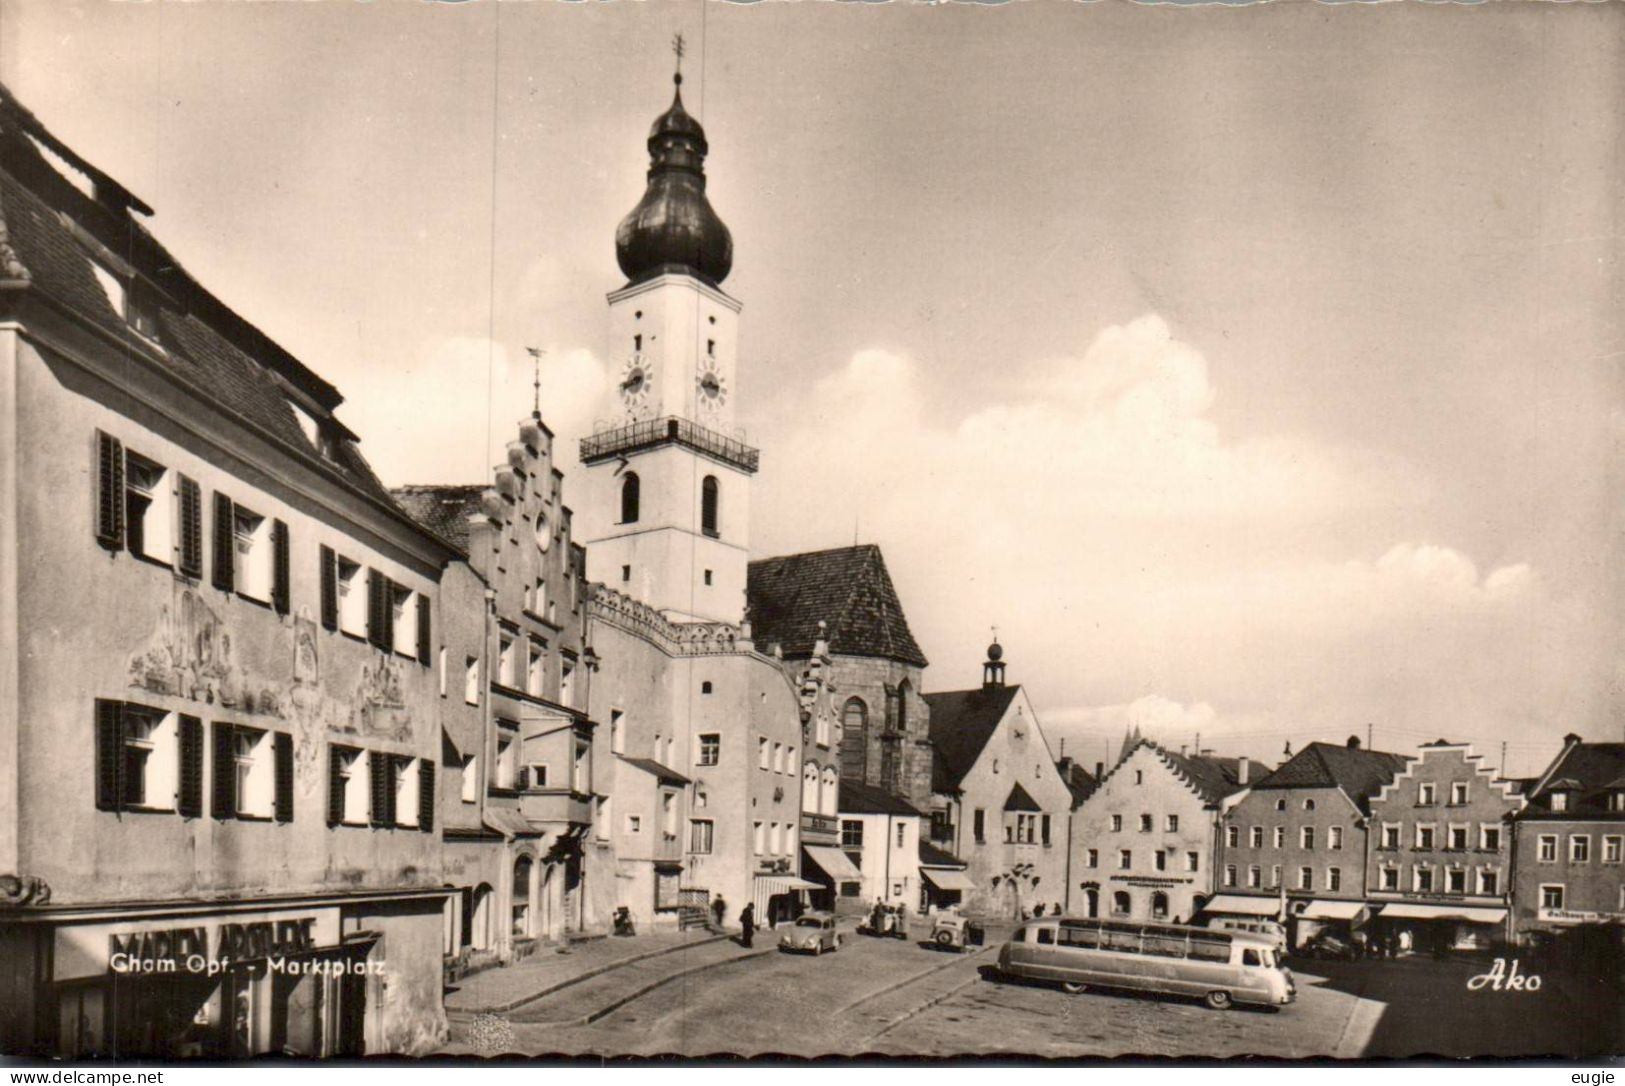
(677,48)
(536,378)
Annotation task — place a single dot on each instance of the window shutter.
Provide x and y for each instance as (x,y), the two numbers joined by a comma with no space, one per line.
(377,609)
(225,773)
(330,589)
(427,796)
(284,776)
(279,566)
(191,528)
(423,630)
(191,795)
(335,785)
(225,544)
(378,772)
(109,754)
(109,491)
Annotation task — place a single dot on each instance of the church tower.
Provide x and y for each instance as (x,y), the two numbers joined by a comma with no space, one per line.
(668,480)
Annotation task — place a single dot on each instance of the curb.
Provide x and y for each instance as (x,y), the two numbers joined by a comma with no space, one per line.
(515,1004)
(621,1001)
(922,1008)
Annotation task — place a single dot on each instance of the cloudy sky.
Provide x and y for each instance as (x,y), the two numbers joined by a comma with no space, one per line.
(1255,371)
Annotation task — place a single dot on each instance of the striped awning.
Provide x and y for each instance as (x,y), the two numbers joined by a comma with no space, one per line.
(1242,905)
(768,886)
(1332,910)
(834,862)
(1405,910)
(946,878)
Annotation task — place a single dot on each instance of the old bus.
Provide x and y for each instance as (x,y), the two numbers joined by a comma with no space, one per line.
(1220,967)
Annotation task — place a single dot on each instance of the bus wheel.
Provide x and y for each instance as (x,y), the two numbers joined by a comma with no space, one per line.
(1219,1001)
(1072,987)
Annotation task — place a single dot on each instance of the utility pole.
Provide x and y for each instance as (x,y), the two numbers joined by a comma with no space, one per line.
(1369,742)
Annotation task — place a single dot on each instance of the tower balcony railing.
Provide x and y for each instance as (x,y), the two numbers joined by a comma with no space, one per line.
(649,433)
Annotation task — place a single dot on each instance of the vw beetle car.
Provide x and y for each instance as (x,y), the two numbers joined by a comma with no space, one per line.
(812,933)
(951,931)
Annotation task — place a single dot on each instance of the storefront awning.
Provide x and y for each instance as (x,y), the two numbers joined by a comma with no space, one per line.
(947,878)
(834,863)
(1239,905)
(770,886)
(1332,910)
(1405,910)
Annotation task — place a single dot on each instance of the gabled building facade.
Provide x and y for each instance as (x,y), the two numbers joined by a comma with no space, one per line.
(1439,857)
(219,715)
(998,801)
(1569,844)
(1298,838)
(1144,841)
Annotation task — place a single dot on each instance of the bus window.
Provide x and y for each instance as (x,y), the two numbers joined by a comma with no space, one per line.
(1082,937)
(1124,942)
(1251,956)
(1207,948)
(1164,945)
(1046,936)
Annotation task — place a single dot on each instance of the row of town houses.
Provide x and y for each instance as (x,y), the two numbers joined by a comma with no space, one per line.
(257,708)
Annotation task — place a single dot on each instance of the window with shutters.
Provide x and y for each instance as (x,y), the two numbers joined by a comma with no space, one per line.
(149,509)
(253,772)
(109,491)
(350,787)
(151,760)
(471,778)
(508,662)
(506,766)
(253,557)
(351,596)
(407,780)
(403,623)
(471,680)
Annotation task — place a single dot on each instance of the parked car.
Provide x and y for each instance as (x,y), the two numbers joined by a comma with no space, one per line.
(950,931)
(1265,929)
(812,933)
(884,921)
(1329,946)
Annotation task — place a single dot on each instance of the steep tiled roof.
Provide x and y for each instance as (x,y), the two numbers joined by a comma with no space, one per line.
(1081,782)
(962,721)
(206,346)
(1360,773)
(847,588)
(1587,770)
(932,856)
(860,798)
(1212,777)
(444,510)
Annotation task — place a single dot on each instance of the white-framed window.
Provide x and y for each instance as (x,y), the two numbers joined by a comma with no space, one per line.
(902,834)
(1390,834)
(1125,859)
(581,771)
(1334,879)
(536,773)
(1280,805)
(1551,895)
(790,759)
(403,603)
(1255,877)
(606,818)
(1489,881)
(1159,859)
(1092,858)
(1171,823)
(441,667)
(1489,836)
(1306,878)
(830,792)
(778,757)
(763,754)
(668,813)
(701,835)
(1117,823)
(567,681)
(1308,804)
(471,680)
(851,833)
(1255,836)
(1275,876)
(1230,874)
(1579,848)
(1612,846)
(809,788)
(151,770)
(1145,823)
(1455,880)
(777,840)
(1390,878)
(535,669)
(255,567)
(659,753)
(1427,794)
(1547,848)
(758,837)
(789,838)
(708,748)
(1424,835)
(355,770)
(1457,840)
(252,763)
(1560,801)
(149,509)
(508,661)
(1306,835)
(617,731)
(1422,879)
(1232,836)
(352,601)
(408,786)
(471,778)
(507,767)
(1280,837)
(1139,776)
(1458,793)
(634,824)
(822,738)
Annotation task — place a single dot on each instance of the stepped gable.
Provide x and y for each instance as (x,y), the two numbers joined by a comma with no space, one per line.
(847,588)
(962,721)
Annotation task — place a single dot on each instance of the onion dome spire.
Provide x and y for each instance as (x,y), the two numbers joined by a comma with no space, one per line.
(673,228)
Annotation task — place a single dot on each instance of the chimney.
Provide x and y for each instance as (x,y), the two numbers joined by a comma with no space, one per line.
(1208,753)
(1100,771)
(1241,769)
(1354,742)
(1571,740)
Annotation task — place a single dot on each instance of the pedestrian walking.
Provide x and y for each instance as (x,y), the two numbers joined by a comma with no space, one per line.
(719,909)
(747,924)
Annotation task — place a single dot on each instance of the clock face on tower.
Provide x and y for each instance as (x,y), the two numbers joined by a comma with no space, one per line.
(636,386)
(710,387)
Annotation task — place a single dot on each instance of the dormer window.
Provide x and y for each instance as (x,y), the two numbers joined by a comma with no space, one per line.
(1560,801)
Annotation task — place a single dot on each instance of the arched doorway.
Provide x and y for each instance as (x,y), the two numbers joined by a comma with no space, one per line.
(523,925)
(1091,903)
(1159,906)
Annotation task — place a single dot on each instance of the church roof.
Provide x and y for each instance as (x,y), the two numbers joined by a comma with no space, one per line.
(859,798)
(1360,773)
(443,510)
(847,588)
(962,721)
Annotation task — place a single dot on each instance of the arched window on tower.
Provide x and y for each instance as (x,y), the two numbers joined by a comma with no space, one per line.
(854,739)
(630,495)
(708,506)
(829,791)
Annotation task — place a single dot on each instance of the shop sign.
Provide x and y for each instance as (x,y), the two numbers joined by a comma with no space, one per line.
(1576,916)
(1150,880)
(190,945)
